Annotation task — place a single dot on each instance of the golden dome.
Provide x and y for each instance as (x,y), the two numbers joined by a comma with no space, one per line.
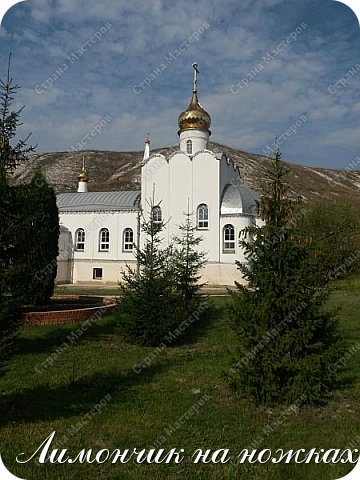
(194,117)
(83,176)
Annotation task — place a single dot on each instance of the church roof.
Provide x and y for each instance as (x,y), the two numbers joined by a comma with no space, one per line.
(98,201)
(238,199)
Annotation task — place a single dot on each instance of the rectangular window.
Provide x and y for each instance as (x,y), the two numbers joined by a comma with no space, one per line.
(104,246)
(97,273)
(203,224)
(229,247)
(80,246)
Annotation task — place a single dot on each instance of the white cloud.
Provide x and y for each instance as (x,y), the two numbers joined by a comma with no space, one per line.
(100,82)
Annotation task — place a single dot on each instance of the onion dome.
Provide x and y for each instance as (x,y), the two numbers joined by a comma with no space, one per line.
(194,117)
(83,176)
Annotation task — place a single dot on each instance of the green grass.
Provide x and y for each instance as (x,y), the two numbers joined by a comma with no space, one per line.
(87,290)
(144,405)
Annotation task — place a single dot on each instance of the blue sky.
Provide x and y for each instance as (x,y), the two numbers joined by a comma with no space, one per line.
(307,94)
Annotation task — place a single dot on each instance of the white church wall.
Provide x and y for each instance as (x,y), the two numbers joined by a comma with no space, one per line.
(206,179)
(64,259)
(180,192)
(216,274)
(155,184)
(239,223)
(111,271)
(84,262)
(173,183)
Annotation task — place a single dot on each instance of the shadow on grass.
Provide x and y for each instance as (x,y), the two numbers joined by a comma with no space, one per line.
(57,335)
(47,402)
(199,328)
(346,380)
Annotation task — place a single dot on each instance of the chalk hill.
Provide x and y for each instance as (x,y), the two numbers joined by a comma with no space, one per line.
(110,170)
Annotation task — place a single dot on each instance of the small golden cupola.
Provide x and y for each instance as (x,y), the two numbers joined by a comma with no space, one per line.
(194,117)
(83,178)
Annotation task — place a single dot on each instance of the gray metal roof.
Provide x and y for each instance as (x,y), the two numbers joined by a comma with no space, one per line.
(98,201)
(238,199)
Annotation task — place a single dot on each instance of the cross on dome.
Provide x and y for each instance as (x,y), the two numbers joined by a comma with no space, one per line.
(194,117)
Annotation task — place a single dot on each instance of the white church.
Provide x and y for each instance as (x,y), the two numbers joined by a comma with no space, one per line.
(100,229)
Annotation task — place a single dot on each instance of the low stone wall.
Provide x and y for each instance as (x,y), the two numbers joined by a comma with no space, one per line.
(63,317)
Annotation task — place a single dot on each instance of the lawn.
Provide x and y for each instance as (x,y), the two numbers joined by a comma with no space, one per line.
(144,407)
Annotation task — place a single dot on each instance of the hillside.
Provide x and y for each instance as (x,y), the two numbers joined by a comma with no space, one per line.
(121,171)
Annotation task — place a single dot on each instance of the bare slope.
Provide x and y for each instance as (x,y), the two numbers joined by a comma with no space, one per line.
(121,171)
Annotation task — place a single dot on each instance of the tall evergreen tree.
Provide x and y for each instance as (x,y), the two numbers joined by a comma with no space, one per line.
(287,341)
(36,235)
(11,155)
(149,306)
(188,261)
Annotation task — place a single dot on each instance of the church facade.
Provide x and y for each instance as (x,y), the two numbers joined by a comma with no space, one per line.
(99,229)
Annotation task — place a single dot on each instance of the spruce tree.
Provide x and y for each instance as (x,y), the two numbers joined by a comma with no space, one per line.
(149,306)
(12,153)
(36,235)
(287,340)
(188,262)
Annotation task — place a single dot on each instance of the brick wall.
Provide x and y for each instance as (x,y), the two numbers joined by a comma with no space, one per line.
(66,316)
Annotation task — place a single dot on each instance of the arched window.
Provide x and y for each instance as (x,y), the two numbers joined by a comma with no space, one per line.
(80,240)
(189,147)
(229,239)
(128,239)
(202,216)
(157,215)
(104,240)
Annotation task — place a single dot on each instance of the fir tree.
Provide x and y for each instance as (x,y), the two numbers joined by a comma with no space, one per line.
(11,155)
(287,341)
(36,235)
(188,262)
(149,306)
